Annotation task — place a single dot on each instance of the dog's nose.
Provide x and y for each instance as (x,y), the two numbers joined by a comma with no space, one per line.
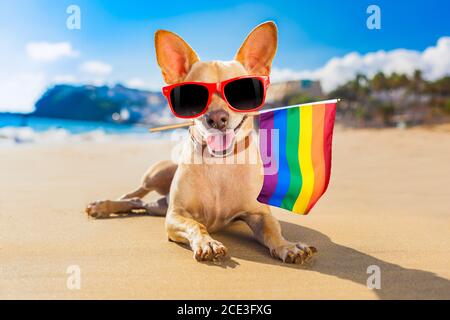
(217,119)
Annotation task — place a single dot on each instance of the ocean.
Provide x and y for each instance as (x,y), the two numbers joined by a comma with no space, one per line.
(19,129)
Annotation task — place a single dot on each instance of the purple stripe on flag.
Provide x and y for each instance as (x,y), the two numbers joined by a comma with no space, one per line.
(268,156)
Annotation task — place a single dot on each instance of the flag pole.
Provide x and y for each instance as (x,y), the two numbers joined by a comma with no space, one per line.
(299,105)
(256,113)
(172,126)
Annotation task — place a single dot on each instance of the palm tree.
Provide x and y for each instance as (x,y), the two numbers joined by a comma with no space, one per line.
(417,82)
(397,81)
(379,82)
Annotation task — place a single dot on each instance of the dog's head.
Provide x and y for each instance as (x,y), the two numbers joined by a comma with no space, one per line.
(220,127)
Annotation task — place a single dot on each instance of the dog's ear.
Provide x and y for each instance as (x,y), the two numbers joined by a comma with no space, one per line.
(175,57)
(258,50)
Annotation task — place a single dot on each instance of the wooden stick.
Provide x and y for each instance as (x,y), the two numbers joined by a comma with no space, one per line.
(255,113)
(172,126)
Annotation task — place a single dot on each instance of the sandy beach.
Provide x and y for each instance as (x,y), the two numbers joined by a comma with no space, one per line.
(388,205)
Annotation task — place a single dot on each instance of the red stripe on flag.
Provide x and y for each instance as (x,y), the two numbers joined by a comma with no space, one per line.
(330,114)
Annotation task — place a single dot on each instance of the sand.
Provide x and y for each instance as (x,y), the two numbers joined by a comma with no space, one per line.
(388,205)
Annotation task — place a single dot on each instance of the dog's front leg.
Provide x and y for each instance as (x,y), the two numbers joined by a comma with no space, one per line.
(181,227)
(267,231)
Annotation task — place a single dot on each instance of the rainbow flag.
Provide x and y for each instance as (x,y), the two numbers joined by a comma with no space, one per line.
(295,146)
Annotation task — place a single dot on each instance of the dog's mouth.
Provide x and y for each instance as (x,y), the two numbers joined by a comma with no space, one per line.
(220,143)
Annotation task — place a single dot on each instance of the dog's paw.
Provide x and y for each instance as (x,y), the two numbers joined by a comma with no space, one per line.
(99,209)
(208,249)
(294,252)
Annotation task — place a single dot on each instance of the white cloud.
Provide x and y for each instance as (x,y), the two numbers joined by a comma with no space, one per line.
(64,78)
(47,52)
(438,57)
(19,92)
(137,83)
(433,61)
(96,68)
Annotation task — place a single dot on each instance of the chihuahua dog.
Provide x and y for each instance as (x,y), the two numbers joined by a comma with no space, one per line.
(202,198)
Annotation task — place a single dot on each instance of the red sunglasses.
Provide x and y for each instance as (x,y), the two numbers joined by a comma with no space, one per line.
(242,94)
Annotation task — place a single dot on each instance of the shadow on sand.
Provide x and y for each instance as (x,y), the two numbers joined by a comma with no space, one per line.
(342,262)
(335,260)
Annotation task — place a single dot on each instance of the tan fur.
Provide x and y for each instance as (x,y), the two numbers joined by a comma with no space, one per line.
(204,198)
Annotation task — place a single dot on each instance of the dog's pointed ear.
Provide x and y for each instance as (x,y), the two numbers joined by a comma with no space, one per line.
(175,57)
(258,50)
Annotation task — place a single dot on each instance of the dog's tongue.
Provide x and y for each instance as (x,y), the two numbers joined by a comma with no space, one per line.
(220,141)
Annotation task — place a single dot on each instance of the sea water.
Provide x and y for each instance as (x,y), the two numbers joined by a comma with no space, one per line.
(19,129)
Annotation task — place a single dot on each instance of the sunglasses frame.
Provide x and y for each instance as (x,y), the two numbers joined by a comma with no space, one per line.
(219,88)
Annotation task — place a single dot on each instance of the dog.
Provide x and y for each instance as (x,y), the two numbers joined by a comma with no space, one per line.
(200,199)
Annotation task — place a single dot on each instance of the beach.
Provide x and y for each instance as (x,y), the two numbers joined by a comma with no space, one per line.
(387,205)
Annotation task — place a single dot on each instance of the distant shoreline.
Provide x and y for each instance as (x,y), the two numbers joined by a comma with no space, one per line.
(33,115)
(22,128)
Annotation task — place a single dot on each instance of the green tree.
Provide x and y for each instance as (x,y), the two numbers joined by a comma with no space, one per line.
(379,82)
(301,98)
(397,81)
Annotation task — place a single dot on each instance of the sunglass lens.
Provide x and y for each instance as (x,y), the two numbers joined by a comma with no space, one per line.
(245,94)
(189,100)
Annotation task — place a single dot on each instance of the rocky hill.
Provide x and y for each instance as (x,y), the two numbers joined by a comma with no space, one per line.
(110,104)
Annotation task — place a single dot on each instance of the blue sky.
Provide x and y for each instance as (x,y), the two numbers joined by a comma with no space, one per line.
(115,43)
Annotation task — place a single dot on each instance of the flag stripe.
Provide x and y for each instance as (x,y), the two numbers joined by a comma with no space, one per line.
(317,153)
(301,152)
(304,155)
(292,144)
(280,122)
(269,155)
(330,115)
